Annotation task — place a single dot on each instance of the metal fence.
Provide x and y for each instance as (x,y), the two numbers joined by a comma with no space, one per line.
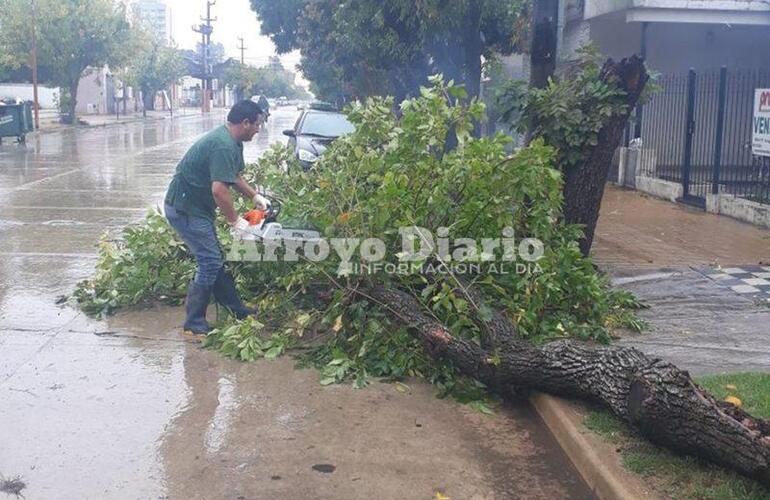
(697,131)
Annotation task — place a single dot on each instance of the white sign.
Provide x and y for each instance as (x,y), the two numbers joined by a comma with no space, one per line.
(760,125)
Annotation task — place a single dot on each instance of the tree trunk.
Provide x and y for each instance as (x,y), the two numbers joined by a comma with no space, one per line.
(545,16)
(148,101)
(71,115)
(472,49)
(584,183)
(651,395)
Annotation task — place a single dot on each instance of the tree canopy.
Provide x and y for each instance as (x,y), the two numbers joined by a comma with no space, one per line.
(367,47)
(154,65)
(272,80)
(72,36)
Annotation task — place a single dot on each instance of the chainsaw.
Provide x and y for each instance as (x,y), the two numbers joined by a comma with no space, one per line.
(263,226)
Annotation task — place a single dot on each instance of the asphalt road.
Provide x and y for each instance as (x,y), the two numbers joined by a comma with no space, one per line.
(125,409)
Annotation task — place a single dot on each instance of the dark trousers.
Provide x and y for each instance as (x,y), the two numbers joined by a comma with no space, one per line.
(200,236)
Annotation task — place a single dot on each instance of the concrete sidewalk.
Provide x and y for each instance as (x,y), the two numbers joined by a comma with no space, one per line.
(662,252)
(637,233)
(49,123)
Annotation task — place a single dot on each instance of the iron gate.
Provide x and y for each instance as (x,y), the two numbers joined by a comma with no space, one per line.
(696,131)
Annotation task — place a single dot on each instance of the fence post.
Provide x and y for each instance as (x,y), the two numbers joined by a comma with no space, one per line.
(720,130)
(640,106)
(689,131)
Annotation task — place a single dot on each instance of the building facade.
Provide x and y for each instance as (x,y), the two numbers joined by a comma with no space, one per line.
(674,35)
(691,141)
(157,16)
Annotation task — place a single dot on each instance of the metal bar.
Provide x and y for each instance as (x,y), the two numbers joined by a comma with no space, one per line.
(720,130)
(680,126)
(640,107)
(689,131)
(728,150)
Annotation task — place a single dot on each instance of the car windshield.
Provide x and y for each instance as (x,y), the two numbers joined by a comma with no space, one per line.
(326,124)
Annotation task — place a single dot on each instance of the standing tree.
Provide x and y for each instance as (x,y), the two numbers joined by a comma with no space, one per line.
(271,80)
(154,67)
(241,77)
(542,55)
(582,114)
(73,36)
(390,48)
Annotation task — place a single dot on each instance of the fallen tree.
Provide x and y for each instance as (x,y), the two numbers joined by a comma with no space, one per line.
(539,327)
(651,395)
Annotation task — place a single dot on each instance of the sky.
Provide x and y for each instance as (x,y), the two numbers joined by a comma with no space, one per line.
(234,19)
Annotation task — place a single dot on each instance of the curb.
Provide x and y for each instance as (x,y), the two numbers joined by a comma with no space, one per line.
(603,474)
(85,125)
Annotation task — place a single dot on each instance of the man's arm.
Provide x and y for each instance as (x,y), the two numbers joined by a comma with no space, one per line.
(243,187)
(221,192)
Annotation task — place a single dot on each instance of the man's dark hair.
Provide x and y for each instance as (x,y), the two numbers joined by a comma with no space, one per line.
(244,110)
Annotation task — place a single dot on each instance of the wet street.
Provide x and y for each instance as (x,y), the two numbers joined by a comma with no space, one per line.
(125,409)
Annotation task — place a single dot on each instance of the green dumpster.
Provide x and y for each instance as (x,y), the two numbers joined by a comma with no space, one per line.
(29,121)
(15,121)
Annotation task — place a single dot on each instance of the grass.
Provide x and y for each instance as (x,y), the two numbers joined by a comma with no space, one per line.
(680,477)
(753,389)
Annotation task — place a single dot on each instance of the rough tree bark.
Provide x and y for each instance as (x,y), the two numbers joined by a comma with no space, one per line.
(584,183)
(542,56)
(71,115)
(651,395)
(472,49)
(148,100)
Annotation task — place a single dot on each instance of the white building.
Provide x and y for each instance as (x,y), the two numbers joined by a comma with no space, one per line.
(675,35)
(157,16)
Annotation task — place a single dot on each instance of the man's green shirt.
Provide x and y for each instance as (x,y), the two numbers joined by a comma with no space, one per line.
(214,157)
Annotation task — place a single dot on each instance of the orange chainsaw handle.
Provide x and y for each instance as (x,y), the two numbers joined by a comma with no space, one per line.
(255,217)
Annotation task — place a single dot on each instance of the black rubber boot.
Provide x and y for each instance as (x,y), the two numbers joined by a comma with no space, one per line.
(226,295)
(197,302)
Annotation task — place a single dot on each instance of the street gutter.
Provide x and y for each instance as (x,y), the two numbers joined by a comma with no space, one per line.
(596,462)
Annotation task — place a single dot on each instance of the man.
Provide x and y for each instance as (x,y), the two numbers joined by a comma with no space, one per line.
(203,180)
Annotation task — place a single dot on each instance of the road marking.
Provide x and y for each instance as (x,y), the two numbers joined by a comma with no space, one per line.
(34,183)
(643,277)
(137,192)
(43,254)
(101,209)
(27,185)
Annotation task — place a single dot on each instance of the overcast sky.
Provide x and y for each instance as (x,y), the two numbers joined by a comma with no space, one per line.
(234,18)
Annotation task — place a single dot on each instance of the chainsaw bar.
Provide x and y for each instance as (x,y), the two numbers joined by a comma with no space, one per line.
(273,231)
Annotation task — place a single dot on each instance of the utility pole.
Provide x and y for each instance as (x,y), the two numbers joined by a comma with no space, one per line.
(205,31)
(242,48)
(33,63)
(201,28)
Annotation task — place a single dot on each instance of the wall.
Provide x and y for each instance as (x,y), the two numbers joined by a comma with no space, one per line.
(676,47)
(48,97)
(739,208)
(91,94)
(659,188)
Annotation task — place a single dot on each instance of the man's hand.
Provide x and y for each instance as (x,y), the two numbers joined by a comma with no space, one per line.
(253,192)
(260,202)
